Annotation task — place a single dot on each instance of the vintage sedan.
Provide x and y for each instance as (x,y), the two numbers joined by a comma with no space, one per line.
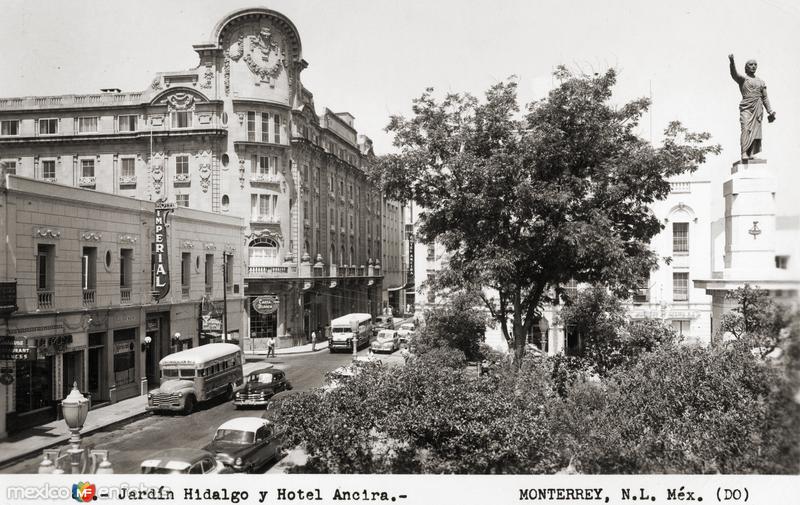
(261,386)
(386,341)
(382,322)
(245,444)
(188,461)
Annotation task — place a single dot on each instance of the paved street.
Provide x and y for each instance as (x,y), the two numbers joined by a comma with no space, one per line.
(131,443)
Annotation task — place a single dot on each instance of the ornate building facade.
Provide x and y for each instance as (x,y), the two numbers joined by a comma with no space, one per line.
(238,135)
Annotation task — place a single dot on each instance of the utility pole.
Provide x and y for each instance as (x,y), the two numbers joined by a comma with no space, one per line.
(224,297)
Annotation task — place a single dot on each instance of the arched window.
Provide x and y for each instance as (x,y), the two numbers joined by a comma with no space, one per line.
(306,247)
(226,202)
(263,252)
(333,255)
(341,256)
(352,262)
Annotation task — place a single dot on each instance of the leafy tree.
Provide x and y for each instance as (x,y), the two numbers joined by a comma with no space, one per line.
(609,339)
(456,325)
(756,319)
(525,203)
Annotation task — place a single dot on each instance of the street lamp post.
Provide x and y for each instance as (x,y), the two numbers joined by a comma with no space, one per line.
(75,408)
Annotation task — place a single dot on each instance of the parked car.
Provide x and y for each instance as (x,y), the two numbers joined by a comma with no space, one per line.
(386,341)
(183,461)
(245,443)
(408,327)
(261,385)
(382,322)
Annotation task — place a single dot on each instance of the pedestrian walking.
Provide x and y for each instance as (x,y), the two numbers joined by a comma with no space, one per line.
(313,341)
(271,347)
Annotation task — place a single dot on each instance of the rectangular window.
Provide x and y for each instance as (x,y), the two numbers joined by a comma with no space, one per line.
(228,271)
(277,128)
(275,168)
(680,286)
(87,168)
(186,272)
(10,127)
(44,266)
(89,268)
(182,119)
(87,125)
(8,167)
(48,169)
(48,126)
(209,272)
(680,238)
(125,267)
(251,126)
(127,167)
(782,262)
(263,165)
(182,200)
(265,127)
(182,165)
(127,123)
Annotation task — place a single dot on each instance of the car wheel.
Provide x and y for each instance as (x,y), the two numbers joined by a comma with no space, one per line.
(188,405)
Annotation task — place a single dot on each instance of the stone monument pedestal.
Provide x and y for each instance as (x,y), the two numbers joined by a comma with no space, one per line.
(749,239)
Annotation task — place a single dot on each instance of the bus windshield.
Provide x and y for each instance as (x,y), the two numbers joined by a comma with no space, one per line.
(342,330)
(183,373)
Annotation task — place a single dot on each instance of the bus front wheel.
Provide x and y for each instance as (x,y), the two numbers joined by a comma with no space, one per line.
(188,405)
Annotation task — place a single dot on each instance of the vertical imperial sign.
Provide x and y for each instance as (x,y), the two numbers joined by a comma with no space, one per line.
(160,250)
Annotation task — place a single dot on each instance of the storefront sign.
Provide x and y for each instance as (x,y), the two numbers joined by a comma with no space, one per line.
(16,349)
(161,277)
(267,304)
(410,277)
(211,324)
(52,345)
(123,347)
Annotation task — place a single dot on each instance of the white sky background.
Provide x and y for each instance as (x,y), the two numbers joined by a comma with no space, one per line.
(372,57)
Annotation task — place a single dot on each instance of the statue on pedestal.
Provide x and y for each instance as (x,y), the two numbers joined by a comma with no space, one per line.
(751,108)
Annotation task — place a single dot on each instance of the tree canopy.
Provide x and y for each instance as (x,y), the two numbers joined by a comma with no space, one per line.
(525,202)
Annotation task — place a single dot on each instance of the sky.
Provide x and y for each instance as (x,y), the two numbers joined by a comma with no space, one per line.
(372,57)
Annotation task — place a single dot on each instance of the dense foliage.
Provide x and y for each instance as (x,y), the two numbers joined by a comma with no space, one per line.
(457,325)
(524,203)
(756,319)
(681,409)
(608,337)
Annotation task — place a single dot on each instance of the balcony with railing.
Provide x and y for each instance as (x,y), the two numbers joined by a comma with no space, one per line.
(125,295)
(89,299)
(272,271)
(641,295)
(265,219)
(45,298)
(259,178)
(87,182)
(680,187)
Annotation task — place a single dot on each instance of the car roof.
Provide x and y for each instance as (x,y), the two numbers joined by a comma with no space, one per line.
(176,459)
(386,332)
(348,319)
(243,424)
(197,356)
(270,369)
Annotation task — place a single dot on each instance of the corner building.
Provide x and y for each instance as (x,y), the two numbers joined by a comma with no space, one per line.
(237,135)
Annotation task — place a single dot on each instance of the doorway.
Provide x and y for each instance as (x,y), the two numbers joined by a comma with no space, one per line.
(72,372)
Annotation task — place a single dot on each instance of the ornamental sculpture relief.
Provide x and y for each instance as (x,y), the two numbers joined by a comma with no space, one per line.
(47,233)
(241,172)
(262,51)
(91,236)
(208,75)
(204,169)
(127,238)
(181,101)
(157,171)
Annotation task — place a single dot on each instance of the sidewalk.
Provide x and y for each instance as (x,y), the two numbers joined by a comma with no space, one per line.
(299,349)
(35,440)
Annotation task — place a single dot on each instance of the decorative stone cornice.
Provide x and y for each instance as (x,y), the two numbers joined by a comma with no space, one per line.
(127,238)
(187,244)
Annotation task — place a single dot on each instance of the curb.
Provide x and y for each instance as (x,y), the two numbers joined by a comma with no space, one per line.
(65,438)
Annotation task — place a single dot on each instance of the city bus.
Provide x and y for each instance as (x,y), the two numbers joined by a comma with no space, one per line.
(197,375)
(346,328)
